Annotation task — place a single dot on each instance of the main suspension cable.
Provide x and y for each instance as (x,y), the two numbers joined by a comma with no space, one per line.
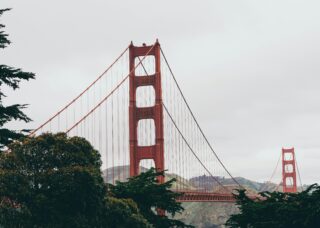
(106,97)
(77,97)
(193,116)
(185,140)
(275,169)
(299,175)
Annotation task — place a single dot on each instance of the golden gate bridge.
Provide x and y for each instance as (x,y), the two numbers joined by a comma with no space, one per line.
(136,116)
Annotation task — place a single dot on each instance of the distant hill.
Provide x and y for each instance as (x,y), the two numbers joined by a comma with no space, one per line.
(202,215)
(207,182)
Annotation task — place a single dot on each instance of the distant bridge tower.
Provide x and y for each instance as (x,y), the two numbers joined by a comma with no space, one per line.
(136,114)
(289,180)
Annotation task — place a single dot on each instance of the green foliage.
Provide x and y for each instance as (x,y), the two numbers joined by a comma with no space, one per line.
(145,190)
(122,213)
(10,77)
(3,37)
(55,181)
(277,209)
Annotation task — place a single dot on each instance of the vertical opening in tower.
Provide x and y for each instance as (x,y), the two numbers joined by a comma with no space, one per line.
(289,182)
(145,165)
(146,132)
(288,156)
(288,168)
(145,96)
(147,66)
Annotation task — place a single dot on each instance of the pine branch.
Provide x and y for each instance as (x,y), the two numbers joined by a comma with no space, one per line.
(13,76)
(4,42)
(8,136)
(12,112)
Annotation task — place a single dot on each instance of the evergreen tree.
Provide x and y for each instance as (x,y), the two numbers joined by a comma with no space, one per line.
(149,195)
(55,181)
(10,77)
(278,209)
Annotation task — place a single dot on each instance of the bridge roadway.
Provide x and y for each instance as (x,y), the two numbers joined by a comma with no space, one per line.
(196,196)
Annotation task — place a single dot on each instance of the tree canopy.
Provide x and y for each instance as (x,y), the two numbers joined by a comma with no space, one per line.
(278,209)
(55,181)
(150,195)
(10,77)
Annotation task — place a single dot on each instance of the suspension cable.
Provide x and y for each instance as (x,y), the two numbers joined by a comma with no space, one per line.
(185,140)
(106,97)
(183,137)
(299,175)
(275,169)
(77,97)
(193,116)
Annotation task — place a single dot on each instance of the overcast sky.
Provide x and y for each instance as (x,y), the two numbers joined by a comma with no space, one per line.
(249,69)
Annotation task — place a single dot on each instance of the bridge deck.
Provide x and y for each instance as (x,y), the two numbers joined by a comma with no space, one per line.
(194,196)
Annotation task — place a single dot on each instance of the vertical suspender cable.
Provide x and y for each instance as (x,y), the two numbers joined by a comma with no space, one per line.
(207,141)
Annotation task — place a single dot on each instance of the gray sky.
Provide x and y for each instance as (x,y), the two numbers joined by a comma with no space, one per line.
(250,69)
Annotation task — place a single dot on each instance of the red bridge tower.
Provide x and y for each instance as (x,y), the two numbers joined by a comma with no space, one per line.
(156,151)
(289,180)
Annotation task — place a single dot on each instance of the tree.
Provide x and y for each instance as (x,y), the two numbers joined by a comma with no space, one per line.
(122,213)
(149,195)
(278,209)
(11,77)
(55,181)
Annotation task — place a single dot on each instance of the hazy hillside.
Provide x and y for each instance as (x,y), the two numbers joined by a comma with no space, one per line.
(207,182)
(202,215)
(121,173)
